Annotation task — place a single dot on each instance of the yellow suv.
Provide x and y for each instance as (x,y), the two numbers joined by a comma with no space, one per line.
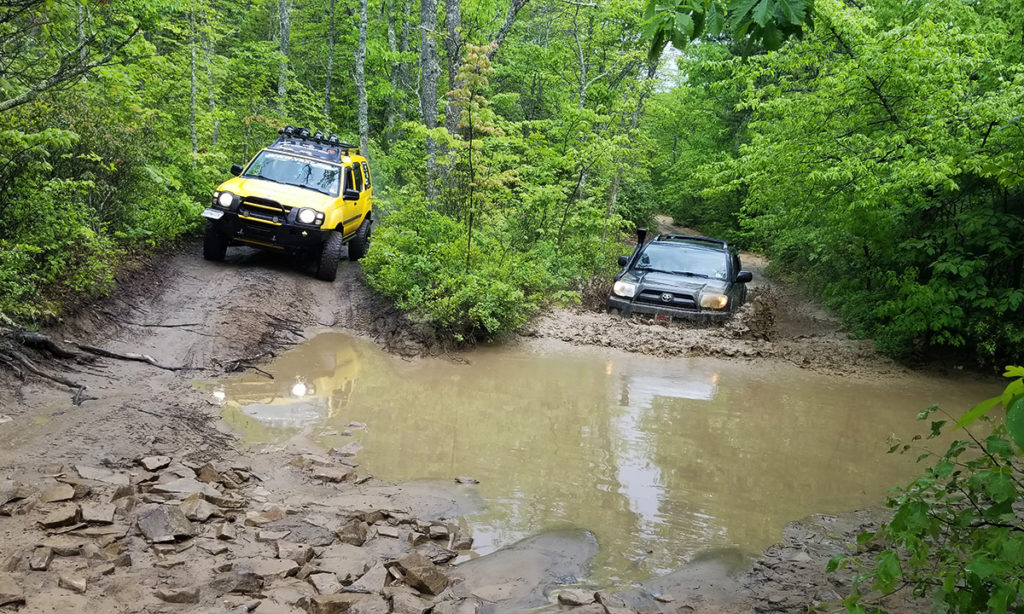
(306,194)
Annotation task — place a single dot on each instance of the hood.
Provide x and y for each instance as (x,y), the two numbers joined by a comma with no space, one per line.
(288,195)
(667,282)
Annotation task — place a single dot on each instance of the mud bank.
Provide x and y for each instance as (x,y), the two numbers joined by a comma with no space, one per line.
(206,319)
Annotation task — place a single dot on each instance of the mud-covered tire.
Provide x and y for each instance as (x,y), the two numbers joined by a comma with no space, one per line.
(215,244)
(360,243)
(330,255)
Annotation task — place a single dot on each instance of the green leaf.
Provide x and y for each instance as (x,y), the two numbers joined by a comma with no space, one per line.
(792,10)
(715,20)
(1014,372)
(740,9)
(983,567)
(834,563)
(977,411)
(1001,488)
(1015,422)
(684,25)
(763,13)
(912,517)
(998,446)
(887,571)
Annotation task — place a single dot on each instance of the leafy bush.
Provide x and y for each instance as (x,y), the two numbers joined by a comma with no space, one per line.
(957,536)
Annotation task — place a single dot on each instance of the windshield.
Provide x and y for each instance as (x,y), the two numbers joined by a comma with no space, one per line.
(279,168)
(677,258)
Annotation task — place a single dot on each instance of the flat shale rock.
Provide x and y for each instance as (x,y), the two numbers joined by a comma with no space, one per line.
(60,492)
(575,596)
(100,474)
(460,606)
(199,510)
(184,487)
(11,592)
(371,582)
(333,604)
(40,559)
(325,583)
(242,581)
(73,583)
(354,532)
(154,463)
(407,603)
(99,513)
(300,553)
(303,532)
(63,516)
(178,595)
(345,561)
(334,474)
(371,604)
(270,569)
(421,573)
(164,523)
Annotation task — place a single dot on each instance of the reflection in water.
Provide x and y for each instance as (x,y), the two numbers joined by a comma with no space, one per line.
(661,459)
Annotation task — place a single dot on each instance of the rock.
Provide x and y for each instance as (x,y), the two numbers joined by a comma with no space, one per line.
(371,604)
(333,604)
(63,516)
(354,532)
(460,606)
(345,561)
(801,557)
(184,486)
(208,474)
(40,559)
(325,583)
(11,592)
(466,480)
(100,474)
(63,546)
(334,474)
(123,560)
(226,530)
(303,531)
(664,598)
(776,598)
(608,600)
(153,463)
(241,581)
(576,596)
(406,603)
(371,582)
(493,592)
(421,574)
(198,509)
(178,595)
(349,449)
(14,491)
(300,553)
(387,531)
(270,569)
(592,608)
(72,583)
(226,501)
(60,492)
(212,546)
(255,519)
(461,542)
(438,532)
(164,523)
(100,513)
(92,552)
(271,536)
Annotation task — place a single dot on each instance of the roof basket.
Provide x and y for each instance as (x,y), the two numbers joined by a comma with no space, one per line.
(319,137)
(671,237)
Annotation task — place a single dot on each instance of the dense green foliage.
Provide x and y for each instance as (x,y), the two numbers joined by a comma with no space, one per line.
(879,158)
(956,537)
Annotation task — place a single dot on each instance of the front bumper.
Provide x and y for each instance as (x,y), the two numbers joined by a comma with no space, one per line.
(628,307)
(277,234)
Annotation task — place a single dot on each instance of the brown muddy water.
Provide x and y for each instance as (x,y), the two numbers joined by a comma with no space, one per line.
(662,459)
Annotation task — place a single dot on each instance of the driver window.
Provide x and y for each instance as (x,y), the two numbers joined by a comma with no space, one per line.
(349,180)
(358,185)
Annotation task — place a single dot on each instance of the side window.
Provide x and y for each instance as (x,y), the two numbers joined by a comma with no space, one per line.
(350,183)
(358,178)
(366,174)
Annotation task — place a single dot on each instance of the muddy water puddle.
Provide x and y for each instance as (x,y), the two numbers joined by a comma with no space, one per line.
(662,459)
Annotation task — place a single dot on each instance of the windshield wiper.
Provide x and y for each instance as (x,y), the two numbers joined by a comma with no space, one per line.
(265,178)
(691,274)
(651,269)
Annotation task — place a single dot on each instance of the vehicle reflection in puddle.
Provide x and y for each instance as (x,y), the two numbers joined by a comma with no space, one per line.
(660,458)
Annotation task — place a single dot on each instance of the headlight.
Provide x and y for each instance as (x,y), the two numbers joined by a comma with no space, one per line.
(307,216)
(225,199)
(624,288)
(714,301)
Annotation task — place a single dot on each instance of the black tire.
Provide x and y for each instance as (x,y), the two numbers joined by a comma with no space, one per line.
(360,243)
(330,254)
(215,244)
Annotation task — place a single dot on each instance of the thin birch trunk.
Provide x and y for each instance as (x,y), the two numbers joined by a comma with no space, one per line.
(364,124)
(453,46)
(284,13)
(428,87)
(330,63)
(192,78)
(84,53)
(212,98)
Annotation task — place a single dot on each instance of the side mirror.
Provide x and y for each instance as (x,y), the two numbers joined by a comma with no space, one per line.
(744,276)
(641,234)
(623,260)
(236,169)
(350,194)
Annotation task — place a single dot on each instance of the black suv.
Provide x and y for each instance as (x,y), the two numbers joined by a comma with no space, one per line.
(680,276)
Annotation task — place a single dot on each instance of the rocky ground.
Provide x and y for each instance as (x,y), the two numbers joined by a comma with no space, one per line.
(121,493)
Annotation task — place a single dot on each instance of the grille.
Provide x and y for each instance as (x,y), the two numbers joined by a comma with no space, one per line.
(679,300)
(263,210)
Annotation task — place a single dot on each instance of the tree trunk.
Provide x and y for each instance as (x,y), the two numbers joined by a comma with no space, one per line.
(453,46)
(284,14)
(364,124)
(428,87)
(83,55)
(192,78)
(212,99)
(330,61)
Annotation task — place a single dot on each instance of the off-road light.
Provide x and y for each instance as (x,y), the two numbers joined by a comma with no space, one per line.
(307,216)
(288,130)
(714,301)
(333,139)
(624,288)
(346,160)
(226,199)
(304,133)
(318,135)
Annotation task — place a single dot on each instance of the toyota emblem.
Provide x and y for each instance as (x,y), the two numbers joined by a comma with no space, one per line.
(666,297)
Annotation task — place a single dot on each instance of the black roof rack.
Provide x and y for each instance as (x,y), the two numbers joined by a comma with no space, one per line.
(315,145)
(690,238)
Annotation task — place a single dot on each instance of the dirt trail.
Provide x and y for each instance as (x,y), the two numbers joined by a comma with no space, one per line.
(214,317)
